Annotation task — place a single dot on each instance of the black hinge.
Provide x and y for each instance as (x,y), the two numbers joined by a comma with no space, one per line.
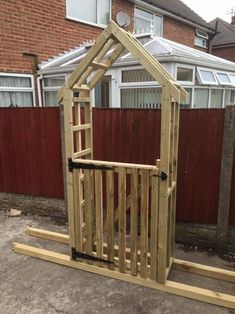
(79,165)
(162,175)
(76,255)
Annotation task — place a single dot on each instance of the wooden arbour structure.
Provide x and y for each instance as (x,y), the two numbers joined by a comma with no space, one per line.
(106,199)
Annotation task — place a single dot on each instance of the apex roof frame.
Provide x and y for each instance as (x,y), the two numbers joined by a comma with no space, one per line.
(150,264)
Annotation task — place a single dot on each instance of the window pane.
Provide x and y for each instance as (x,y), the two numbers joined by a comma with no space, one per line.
(141,98)
(104,11)
(184,74)
(200,42)
(82,10)
(232,78)
(223,78)
(187,103)
(216,98)
(227,97)
(232,99)
(50,98)
(136,76)
(142,26)
(207,76)
(102,93)
(157,25)
(201,97)
(15,81)
(144,14)
(16,99)
(54,81)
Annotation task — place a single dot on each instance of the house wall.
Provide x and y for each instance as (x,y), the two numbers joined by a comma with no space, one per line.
(181,33)
(41,28)
(226,53)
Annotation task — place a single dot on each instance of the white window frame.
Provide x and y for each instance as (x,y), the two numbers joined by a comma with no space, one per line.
(202,81)
(232,74)
(184,66)
(224,73)
(51,88)
(97,15)
(19,89)
(147,20)
(201,34)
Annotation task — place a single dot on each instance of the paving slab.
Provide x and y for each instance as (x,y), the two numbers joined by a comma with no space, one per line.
(30,286)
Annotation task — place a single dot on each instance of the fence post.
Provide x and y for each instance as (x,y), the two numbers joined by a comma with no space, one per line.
(226,179)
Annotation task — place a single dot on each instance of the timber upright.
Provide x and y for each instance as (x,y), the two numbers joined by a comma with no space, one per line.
(101,194)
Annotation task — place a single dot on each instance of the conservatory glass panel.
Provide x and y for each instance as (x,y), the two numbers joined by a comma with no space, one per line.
(140,75)
(207,77)
(227,97)
(141,98)
(223,78)
(56,81)
(50,98)
(187,104)
(201,97)
(232,99)
(232,78)
(216,98)
(184,74)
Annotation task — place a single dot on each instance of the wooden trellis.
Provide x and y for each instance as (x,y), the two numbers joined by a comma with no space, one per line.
(122,216)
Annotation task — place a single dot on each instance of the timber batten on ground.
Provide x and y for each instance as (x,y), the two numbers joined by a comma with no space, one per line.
(101,194)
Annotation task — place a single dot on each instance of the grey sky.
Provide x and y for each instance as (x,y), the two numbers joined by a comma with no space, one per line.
(210,9)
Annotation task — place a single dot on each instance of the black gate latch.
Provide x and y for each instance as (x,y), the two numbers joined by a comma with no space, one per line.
(162,175)
(76,255)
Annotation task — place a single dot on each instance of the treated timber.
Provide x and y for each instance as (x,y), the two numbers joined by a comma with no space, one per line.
(180,289)
(191,267)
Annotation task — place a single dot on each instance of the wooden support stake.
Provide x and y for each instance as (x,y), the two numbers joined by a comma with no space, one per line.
(122,218)
(134,220)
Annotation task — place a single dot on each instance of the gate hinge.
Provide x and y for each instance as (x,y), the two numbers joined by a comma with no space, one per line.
(76,255)
(162,175)
(80,165)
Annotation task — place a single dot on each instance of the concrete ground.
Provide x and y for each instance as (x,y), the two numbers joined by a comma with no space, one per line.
(29,285)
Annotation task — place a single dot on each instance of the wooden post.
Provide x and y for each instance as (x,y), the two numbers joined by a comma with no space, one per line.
(226,178)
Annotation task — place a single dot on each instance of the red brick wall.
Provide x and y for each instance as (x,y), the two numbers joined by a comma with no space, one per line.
(40,27)
(180,33)
(226,53)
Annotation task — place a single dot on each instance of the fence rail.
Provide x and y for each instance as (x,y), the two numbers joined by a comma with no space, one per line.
(31,163)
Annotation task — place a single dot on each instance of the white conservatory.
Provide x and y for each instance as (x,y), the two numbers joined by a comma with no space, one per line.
(209,80)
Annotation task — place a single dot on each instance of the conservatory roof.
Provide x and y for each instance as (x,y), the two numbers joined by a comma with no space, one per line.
(163,49)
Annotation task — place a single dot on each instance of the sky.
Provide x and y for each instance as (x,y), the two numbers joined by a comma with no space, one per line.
(210,9)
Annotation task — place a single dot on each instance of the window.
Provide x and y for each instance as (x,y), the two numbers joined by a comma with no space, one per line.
(16,90)
(90,11)
(216,98)
(187,103)
(201,39)
(141,98)
(147,22)
(207,76)
(223,78)
(201,98)
(51,86)
(102,92)
(232,78)
(139,75)
(185,75)
(232,98)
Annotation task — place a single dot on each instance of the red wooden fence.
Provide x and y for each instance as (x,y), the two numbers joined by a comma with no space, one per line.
(30,152)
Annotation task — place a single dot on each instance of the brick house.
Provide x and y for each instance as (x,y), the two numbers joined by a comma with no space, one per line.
(33,31)
(223,44)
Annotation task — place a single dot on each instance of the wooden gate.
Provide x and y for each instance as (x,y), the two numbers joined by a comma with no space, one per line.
(122,216)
